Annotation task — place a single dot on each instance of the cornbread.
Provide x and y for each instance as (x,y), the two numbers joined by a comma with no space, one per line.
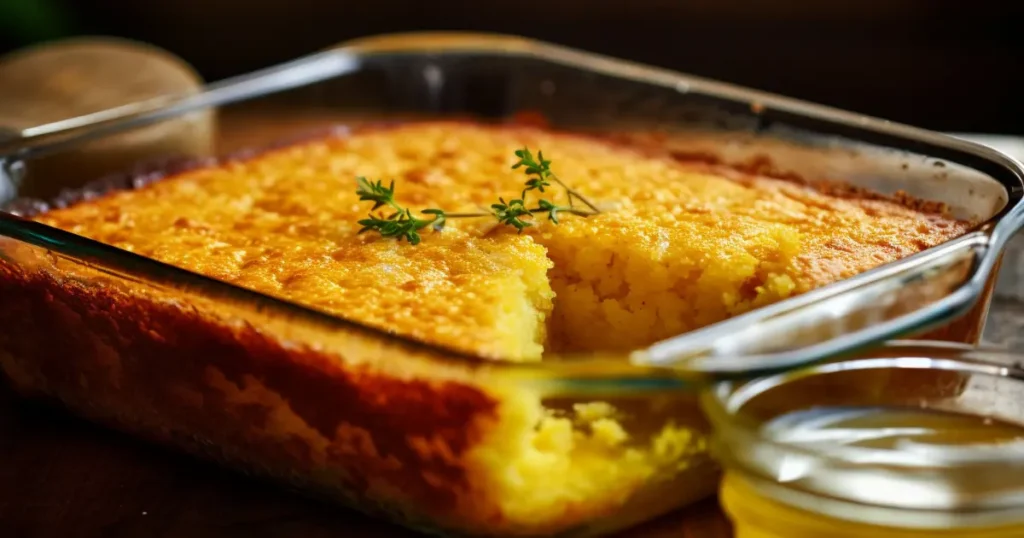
(679,244)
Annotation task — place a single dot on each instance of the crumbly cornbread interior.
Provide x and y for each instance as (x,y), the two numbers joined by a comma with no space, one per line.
(679,246)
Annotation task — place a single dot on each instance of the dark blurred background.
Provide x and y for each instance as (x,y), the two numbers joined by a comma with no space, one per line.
(944,64)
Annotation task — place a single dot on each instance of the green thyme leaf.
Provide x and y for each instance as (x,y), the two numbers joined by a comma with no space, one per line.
(401,224)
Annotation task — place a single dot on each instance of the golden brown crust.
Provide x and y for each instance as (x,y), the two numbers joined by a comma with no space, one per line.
(283,223)
(297,240)
(145,173)
(819,266)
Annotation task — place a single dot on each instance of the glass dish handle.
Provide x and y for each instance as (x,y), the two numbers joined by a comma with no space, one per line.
(885,303)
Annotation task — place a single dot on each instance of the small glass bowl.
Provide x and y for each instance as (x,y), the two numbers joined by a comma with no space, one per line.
(916,439)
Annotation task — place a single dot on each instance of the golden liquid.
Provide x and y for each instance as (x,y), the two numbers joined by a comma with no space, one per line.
(892,428)
(757,516)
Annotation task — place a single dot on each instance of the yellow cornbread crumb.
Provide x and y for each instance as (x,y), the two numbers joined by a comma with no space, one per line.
(547,468)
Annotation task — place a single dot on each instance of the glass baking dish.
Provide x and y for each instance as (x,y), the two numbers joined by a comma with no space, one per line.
(434,439)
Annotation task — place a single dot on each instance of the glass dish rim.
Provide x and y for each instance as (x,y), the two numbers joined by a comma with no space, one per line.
(347,57)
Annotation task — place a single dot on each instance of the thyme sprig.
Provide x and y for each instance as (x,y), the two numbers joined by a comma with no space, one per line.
(541,169)
(400,223)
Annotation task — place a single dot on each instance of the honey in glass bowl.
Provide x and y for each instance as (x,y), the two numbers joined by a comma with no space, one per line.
(820,453)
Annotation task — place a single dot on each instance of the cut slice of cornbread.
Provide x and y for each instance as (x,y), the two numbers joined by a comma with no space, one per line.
(285,224)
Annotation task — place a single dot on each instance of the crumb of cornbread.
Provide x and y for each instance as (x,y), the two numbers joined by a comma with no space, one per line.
(549,468)
(684,245)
